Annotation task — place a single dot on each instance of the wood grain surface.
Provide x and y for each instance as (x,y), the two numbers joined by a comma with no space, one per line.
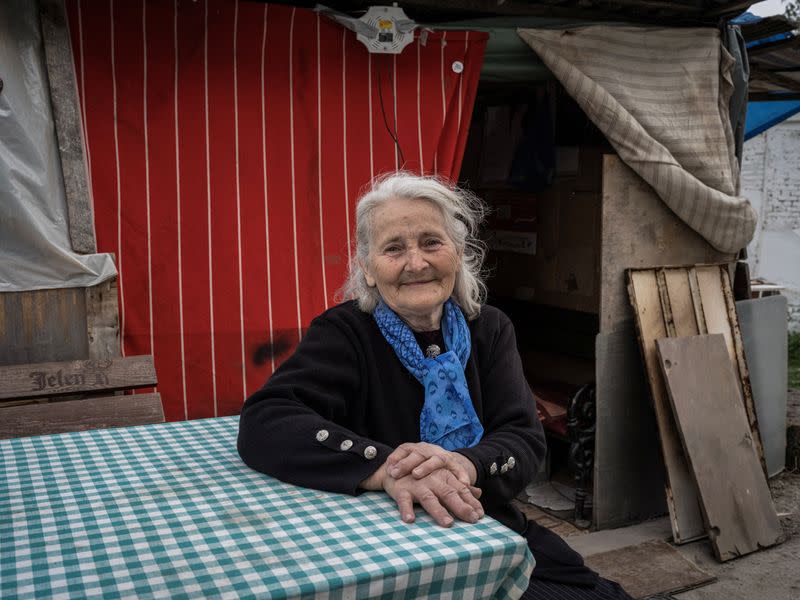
(44,380)
(683,499)
(79,415)
(706,399)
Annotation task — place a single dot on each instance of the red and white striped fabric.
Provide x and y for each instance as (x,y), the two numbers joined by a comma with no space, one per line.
(227,143)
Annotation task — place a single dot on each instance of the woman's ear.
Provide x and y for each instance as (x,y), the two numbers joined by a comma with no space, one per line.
(369,278)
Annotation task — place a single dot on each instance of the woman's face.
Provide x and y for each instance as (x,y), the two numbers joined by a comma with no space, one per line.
(412,260)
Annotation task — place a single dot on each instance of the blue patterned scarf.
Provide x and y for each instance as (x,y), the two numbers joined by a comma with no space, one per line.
(448,418)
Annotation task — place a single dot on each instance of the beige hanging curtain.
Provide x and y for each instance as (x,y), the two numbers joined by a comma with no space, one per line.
(661,97)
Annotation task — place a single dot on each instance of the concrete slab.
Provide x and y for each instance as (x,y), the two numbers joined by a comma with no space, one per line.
(613,539)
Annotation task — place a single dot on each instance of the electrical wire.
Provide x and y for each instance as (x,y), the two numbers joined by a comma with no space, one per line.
(392,134)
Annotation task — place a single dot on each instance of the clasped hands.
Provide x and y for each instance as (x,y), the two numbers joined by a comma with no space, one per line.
(438,480)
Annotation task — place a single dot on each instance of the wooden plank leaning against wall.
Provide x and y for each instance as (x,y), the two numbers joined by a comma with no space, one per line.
(67,120)
(720,443)
(637,231)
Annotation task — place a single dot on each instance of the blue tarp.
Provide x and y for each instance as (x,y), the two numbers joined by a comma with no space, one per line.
(747,18)
(765,114)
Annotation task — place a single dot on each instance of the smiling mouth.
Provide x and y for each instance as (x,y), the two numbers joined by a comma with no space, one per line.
(418,282)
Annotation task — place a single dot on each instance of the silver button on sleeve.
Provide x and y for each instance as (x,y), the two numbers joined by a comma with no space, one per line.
(346,445)
(511,462)
(370,452)
(504,468)
(322,435)
(493,468)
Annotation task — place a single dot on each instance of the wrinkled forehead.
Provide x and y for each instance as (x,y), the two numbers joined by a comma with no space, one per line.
(404,217)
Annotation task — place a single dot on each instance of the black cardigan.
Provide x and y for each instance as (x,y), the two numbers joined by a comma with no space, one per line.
(344,382)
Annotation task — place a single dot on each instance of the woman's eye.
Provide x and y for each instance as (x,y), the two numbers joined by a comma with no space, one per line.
(392,249)
(432,243)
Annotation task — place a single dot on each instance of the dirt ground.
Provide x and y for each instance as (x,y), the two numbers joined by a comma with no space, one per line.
(771,574)
(786,494)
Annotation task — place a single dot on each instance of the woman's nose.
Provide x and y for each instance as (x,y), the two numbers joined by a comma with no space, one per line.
(415,262)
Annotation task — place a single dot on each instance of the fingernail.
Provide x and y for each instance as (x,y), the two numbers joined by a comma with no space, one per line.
(474,517)
(448,522)
(393,471)
(408,518)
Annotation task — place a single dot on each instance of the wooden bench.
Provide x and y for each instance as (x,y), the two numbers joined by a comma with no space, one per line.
(57,397)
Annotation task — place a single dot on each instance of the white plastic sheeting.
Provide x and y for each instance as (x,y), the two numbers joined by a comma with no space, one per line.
(35,250)
(661,97)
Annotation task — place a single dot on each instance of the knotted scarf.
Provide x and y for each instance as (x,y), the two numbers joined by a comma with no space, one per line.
(448,418)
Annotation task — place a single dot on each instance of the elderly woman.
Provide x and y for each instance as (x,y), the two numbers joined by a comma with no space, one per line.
(414,387)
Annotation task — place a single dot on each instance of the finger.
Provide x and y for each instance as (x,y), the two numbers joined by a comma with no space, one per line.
(476,491)
(447,463)
(440,461)
(468,497)
(457,469)
(399,454)
(405,504)
(459,504)
(434,463)
(434,508)
(406,465)
(466,465)
(464,504)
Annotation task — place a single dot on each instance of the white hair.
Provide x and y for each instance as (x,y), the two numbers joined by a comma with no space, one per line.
(463,212)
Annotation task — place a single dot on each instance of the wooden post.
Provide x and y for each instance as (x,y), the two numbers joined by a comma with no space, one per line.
(102,320)
(67,119)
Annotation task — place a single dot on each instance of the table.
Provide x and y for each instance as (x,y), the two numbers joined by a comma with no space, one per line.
(170,510)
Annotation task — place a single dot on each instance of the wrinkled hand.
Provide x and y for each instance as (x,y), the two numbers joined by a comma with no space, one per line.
(421,459)
(440,494)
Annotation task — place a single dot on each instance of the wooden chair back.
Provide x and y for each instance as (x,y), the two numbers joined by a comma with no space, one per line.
(56,397)
(61,366)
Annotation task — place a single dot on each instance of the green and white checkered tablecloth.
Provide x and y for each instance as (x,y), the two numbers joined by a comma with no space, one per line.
(170,510)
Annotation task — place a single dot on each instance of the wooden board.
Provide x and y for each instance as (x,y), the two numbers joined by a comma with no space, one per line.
(650,568)
(59,324)
(639,231)
(713,283)
(80,415)
(628,468)
(44,380)
(683,499)
(43,326)
(67,121)
(102,320)
(712,298)
(698,300)
(675,284)
(707,402)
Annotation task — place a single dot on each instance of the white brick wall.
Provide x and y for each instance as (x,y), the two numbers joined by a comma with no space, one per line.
(770,179)
(752,177)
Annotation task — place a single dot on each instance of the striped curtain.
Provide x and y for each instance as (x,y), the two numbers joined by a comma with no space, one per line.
(227,144)
(661,97)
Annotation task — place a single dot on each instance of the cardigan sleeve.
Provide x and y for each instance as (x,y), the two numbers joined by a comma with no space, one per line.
(290,428)
(513,446)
